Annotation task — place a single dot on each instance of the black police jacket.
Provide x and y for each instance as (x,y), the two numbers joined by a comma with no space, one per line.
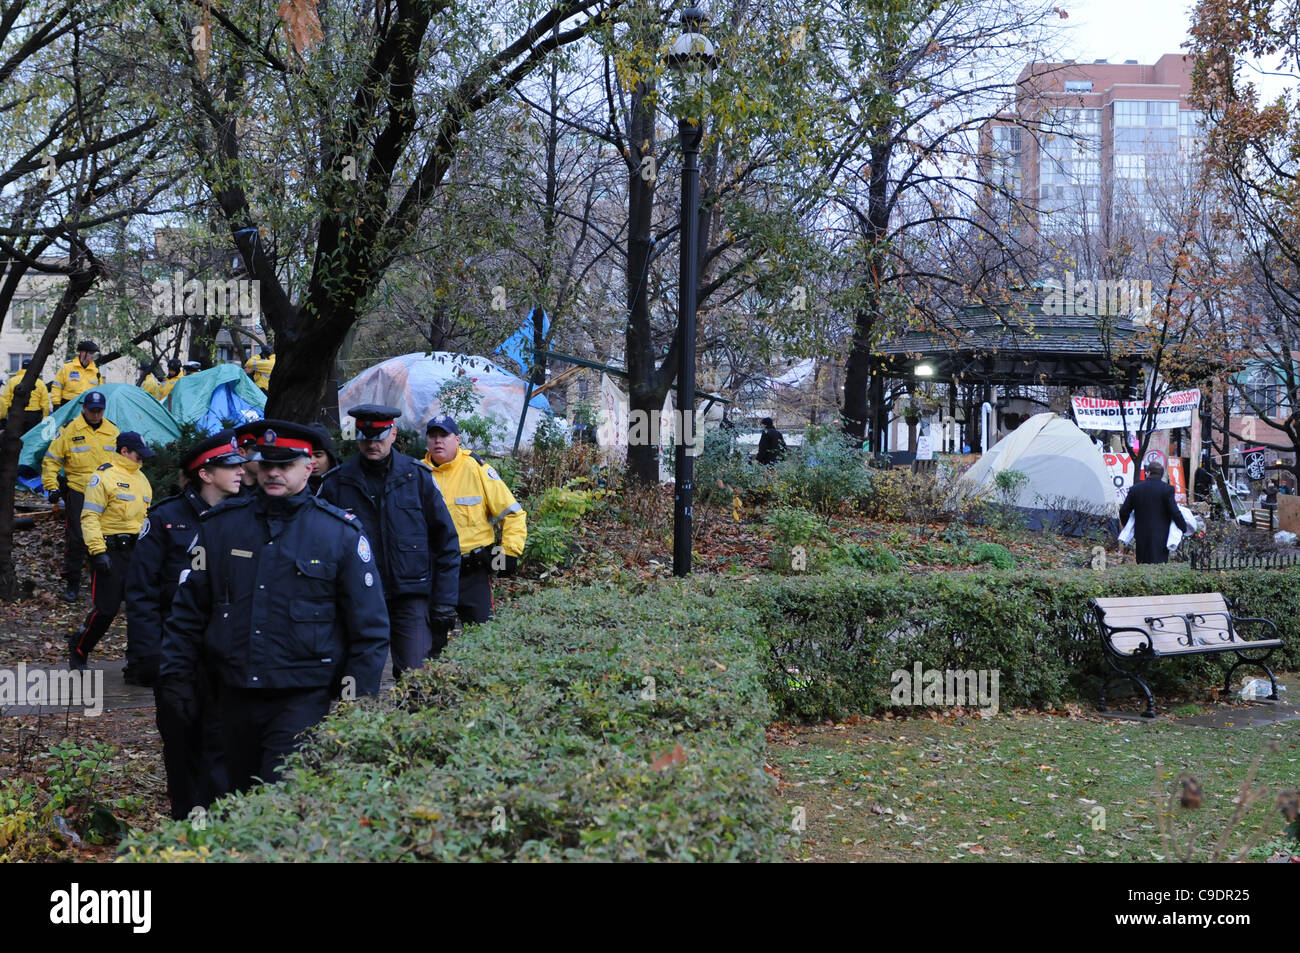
(279,593)
(416,544)
(161,553)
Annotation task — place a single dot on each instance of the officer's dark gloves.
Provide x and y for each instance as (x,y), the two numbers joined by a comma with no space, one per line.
(442,619)
(102,563)
(54,497)
(511,567)
(176,701)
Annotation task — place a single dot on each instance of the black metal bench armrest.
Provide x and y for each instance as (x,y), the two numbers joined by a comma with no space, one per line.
(1111,631)
(1268,622)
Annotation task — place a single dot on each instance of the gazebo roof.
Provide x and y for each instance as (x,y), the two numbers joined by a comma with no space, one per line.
(1019,341)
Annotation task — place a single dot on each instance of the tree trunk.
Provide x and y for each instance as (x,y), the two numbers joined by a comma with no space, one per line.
(647,385)
(79,283)
(857,370)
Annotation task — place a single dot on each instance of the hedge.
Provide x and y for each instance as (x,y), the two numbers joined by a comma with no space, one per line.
(535,737)
(832,641)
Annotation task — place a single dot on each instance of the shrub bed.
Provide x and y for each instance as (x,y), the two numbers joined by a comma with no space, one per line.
(832,641)
(593,724)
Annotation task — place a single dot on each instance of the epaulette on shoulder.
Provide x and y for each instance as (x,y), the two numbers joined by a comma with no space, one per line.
(104,466)
(477,459)
(226,505)
(337,513)
(165,500)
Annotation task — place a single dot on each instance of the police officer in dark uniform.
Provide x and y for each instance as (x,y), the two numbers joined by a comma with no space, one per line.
(282,596)
(416,546)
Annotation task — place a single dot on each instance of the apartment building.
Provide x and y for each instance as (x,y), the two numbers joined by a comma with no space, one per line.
(1090,146)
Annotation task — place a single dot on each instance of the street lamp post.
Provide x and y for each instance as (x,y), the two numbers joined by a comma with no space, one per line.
(693,59)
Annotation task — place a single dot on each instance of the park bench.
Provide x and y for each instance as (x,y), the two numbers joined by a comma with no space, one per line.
(1261,518)
(1137,630)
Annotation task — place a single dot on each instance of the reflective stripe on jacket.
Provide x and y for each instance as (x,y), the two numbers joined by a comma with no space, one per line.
(479,499)
(79,450)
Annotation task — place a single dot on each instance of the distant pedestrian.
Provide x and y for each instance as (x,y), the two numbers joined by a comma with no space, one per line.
(771,445)
(1153,507)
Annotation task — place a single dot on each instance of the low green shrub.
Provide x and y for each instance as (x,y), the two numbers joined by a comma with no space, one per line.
(846,633)
(994,553)
(610,723)
(553,520)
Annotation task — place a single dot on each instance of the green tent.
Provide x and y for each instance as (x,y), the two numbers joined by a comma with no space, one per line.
(129,408)
(216,397)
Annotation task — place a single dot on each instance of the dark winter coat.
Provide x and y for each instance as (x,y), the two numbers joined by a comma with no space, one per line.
(416,545)
(279,593)
(1153,507)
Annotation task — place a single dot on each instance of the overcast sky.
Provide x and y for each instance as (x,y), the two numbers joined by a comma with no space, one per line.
(1119,30)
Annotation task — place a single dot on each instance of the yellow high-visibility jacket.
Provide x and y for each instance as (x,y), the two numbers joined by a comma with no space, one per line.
(73,379)
(40,399)
(259,369)
(479,499)
(117,500)
(78,450)
(151,386)
(165,388)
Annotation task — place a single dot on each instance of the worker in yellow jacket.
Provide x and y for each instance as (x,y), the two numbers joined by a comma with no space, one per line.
(77,376)
(149,382)
(478,500)
(83,444)
(174,373)
(260,368)
(38,404)
(118,498)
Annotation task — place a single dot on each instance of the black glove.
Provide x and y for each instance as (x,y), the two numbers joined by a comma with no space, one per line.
(177,705)
(54,496)
(511,567)
(442,619)
(102,562)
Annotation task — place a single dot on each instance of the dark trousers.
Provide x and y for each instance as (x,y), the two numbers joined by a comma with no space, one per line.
(475,603)
(259,727)
(196,772)
(74,547)
(106,591)
(410,638)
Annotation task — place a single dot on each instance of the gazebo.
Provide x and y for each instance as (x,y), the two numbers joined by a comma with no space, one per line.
(1037,337)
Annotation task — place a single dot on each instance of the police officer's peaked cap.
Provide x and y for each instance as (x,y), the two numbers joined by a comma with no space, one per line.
(90,346)
(267,350)
(442,422)
(194,364)
(279,440)
(219,450)
(95,400)
(374,420)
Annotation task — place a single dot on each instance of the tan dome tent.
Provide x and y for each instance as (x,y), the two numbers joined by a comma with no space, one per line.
(1067,475)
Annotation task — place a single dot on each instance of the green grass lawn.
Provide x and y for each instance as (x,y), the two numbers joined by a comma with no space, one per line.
(1024,788)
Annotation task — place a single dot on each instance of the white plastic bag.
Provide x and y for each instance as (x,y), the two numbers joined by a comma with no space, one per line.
(1126,534)
(1176,534)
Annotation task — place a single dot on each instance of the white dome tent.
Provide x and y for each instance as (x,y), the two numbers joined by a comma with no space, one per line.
(1065,468)
(410,383)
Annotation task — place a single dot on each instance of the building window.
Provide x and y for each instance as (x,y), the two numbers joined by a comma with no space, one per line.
(16,362)
(1078,85)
